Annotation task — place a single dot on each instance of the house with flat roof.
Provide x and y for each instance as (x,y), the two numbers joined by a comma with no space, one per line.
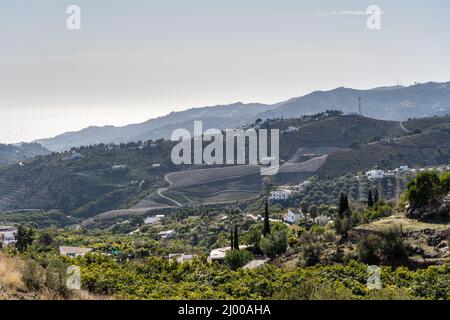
(279,195)
(8,235)
(73,251)
(219,254)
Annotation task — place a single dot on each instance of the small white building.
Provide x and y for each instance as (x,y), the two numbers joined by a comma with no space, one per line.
(375,174)
(153,219)
(118,167)
(73,156)
(403,168)
(291,129)
(219,254)
(322,220)
(7,235)
(293,216)
(166,234)
(73,251)
(279,195)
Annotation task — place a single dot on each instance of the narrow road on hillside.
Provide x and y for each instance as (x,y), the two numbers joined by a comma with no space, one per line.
(404,128)
(160,193)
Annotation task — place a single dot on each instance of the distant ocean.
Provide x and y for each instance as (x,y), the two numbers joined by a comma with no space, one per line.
(26,126)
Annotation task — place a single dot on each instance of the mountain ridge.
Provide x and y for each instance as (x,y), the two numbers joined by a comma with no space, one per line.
(385,103)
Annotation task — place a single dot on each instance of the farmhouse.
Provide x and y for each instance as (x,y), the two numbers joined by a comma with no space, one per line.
(7,235)
(294,216)
(279,195)
(73,251)
(375,174)
(166,234)
(73,156)
(220,253)
(153,219)
(292,129)
(118,167)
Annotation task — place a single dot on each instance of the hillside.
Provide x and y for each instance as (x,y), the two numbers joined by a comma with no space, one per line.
(14,153)
(139,177)
(428,147)
(387,103)
(85,181)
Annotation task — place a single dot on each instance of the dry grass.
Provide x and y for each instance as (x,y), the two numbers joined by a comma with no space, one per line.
(12,285)
(408,225)
(10,272)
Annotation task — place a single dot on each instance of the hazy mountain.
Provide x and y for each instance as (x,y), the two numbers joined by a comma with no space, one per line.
(14,153)
(220,117)
(387,103)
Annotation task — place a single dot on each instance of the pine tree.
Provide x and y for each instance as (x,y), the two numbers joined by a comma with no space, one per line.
(236,238)
(266,228)
(370,199)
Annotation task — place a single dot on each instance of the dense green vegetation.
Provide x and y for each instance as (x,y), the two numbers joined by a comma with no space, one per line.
(163,279)
(84,182)
(427,187)
(42,219)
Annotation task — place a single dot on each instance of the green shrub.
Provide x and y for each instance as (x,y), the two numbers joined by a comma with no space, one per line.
(236,259)
(275,243)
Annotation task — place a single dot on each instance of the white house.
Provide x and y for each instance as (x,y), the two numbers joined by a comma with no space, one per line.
(73,156)
(7,235)
(292,129)
(219,254)
(279,195)
(153,219)
(118,167)
(322,220)
(375,174)
(166,234)
(293,216)
(73,251)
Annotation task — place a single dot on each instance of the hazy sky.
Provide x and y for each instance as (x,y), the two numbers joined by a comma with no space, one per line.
(137,59)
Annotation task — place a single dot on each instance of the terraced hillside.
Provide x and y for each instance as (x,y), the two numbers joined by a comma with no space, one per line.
(89,181)
(430,146)
(10,194)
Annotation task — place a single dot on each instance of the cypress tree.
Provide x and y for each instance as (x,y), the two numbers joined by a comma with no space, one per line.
(376,197)
(232,239)
(370,199)
(343,206)
(236,238)
(266,228)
